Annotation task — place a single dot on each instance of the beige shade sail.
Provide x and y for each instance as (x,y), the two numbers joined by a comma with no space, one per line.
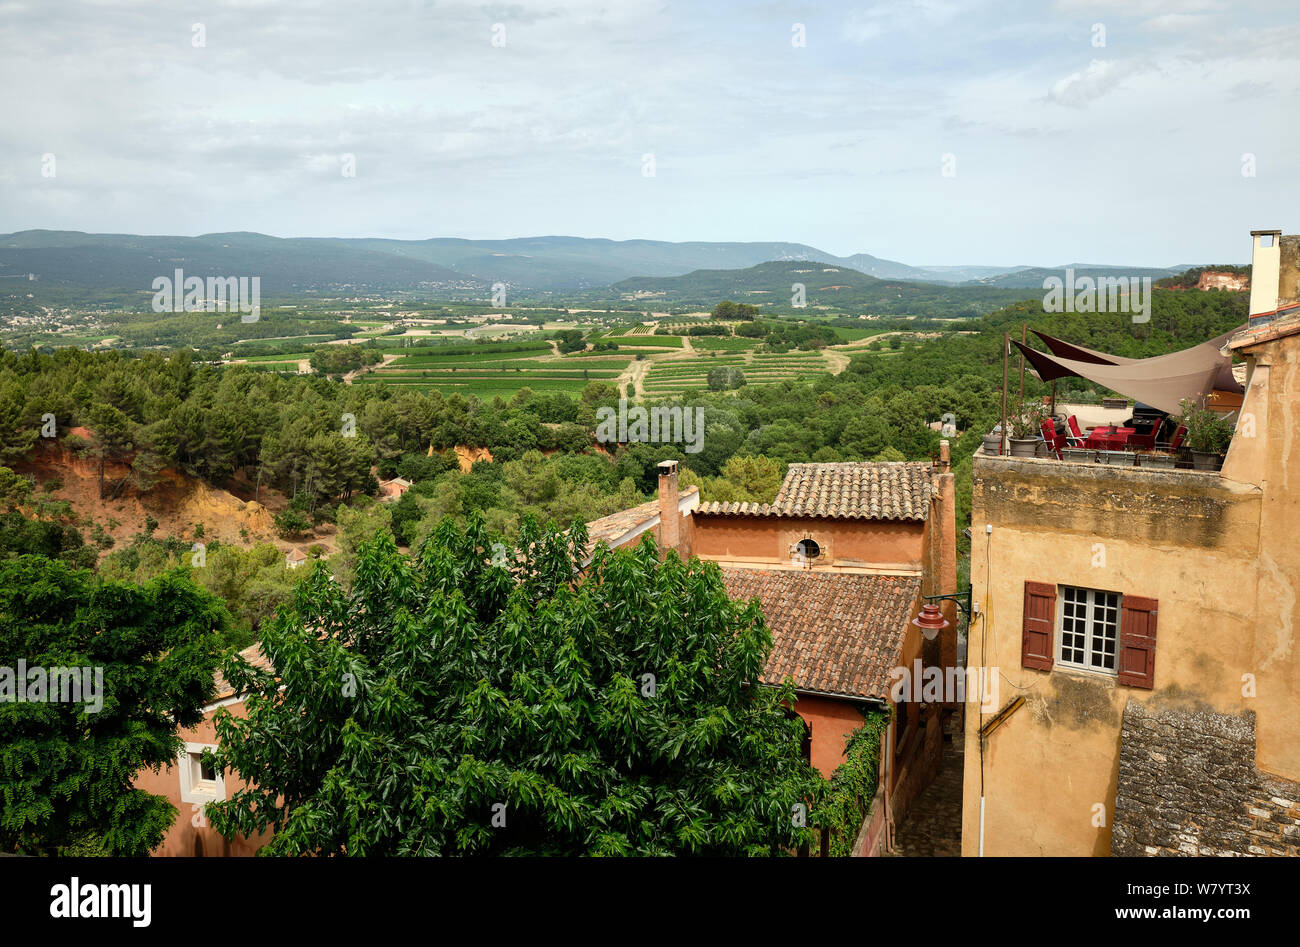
(1063,349)
(1162,382)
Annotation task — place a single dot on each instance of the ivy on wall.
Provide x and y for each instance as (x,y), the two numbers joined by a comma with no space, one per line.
(852,786)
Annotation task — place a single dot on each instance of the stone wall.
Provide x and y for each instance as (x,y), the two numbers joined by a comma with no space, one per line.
(1288,281)
(1188,786)
(923,762)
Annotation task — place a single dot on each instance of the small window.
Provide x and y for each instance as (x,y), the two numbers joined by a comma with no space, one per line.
(1089,629)
(207,771)
(1266,240)
(808,549)
(200,779)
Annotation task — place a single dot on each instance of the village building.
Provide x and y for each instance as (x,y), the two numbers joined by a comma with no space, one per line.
(1142,621)
(393,489)
(190,783)
(294,558)
(841,562)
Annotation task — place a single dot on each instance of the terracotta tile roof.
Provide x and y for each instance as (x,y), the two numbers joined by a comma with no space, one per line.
(873,491)
(833,632)
(617,525)
(254,656)
(1286,323)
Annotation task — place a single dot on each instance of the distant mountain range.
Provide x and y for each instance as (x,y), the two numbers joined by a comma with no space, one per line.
(72,258)
(822,285)
(1034,275)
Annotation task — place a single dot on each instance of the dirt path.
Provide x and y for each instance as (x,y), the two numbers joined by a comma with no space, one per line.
(347,379)
(839,361)
(841,355)
(633,377)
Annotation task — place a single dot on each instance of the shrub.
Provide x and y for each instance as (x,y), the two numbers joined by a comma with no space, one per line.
(291,524)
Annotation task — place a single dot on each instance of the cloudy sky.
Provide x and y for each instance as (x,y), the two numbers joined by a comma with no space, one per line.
(926,131)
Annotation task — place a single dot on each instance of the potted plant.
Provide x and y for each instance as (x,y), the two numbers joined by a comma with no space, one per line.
(993,440)
(1024,426)
(1207,435)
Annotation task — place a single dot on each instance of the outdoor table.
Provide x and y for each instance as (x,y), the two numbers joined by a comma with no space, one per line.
(1108,438)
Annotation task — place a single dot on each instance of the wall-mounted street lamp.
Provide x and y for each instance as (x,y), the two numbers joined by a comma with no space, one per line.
(963,600)
(931,620)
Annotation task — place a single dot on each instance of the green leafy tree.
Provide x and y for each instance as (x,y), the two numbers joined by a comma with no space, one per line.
(14,490)
(725,378)
(744,479)
(67,773)
(480,701)
(17,432)
(112,437)
(291,524)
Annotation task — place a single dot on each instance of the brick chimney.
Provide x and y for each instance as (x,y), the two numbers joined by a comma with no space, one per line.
(670,520)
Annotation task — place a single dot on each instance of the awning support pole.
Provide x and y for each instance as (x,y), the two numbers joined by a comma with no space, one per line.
(1006,348)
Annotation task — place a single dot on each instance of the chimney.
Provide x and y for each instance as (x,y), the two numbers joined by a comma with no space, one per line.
(1265,274)
(670,520)
(945,457)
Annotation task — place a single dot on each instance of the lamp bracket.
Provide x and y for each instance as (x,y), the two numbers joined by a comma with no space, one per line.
(963,600)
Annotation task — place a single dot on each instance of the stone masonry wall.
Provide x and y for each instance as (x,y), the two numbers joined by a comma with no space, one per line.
(1188,786)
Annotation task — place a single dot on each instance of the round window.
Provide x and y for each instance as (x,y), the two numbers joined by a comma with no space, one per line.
(808,548)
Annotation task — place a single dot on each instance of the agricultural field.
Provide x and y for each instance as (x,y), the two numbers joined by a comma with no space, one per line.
(639,337)
(691,374)
(647,341)
(267,359)
(491,373)
(721,343)
(853,335)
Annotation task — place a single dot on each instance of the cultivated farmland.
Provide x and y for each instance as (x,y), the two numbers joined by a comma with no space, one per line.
(490,373)
(670,377)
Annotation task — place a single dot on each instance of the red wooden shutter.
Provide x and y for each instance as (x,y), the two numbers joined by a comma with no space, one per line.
(1038,640)
(1137,641)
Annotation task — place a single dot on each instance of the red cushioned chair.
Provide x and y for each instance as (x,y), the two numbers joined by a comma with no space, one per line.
(1141,441)
(1075,437)
(1054,441)
(1177,442)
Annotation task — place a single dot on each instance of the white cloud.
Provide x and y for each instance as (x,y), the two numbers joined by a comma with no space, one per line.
(836,144)
(894,16)
(1179,22)
(1080,88)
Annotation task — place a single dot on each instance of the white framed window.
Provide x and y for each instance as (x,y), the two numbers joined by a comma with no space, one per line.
(1089,629)
(200,781)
